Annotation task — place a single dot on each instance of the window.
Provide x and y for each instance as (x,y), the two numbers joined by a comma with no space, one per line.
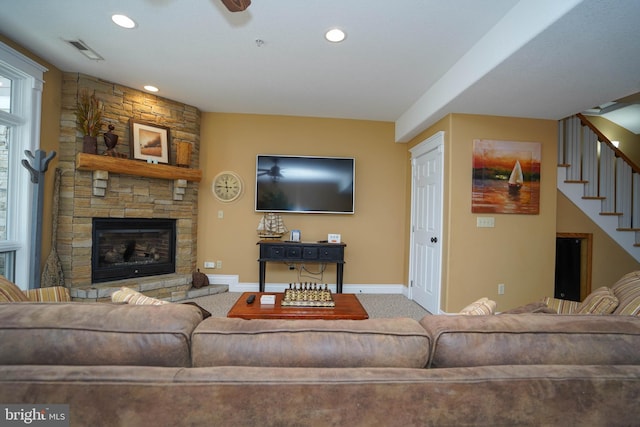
(20,102)
(6,258)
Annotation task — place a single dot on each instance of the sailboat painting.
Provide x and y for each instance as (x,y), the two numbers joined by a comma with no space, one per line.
(506,177)
(516,178)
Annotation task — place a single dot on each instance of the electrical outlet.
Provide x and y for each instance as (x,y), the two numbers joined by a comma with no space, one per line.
(218,264)
(500,288)
(209,264)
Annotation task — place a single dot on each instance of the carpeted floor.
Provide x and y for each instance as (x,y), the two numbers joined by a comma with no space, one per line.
(377,305)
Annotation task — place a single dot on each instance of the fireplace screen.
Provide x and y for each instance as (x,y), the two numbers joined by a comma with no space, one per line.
(123,248)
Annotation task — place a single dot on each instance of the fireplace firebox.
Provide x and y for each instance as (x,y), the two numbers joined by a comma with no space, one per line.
(124,248)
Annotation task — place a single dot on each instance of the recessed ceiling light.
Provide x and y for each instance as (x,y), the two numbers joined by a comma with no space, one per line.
(335,35)
(151,88)
(123,21)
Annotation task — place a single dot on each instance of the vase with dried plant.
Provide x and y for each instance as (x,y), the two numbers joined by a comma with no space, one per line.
(89,115)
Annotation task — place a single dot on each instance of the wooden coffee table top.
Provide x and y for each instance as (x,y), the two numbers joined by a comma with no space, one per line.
(347,307)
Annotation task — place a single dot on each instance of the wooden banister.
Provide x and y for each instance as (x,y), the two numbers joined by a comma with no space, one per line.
(604,139)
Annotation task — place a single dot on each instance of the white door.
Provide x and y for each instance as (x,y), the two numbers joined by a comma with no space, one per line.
(427,160)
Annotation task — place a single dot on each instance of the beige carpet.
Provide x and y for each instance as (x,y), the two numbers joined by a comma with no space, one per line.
(377,305)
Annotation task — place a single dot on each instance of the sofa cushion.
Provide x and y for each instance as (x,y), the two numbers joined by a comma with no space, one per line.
(96,334)
(534,307)
(400,342)
(483,306)
(131,296)
(627,290)
(10,292)
(532,339)
(600,301)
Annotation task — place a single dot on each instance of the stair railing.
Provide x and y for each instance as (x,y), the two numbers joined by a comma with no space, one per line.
(590,158)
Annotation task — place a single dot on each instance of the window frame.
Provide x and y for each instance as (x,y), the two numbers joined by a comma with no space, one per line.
(24,121)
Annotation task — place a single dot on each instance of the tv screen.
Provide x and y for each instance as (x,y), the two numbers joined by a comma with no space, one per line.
(305,184)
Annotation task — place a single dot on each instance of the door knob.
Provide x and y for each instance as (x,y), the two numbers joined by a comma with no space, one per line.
(434,240)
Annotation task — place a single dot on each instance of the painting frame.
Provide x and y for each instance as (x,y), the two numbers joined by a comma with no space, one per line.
(149,142)
(506,177)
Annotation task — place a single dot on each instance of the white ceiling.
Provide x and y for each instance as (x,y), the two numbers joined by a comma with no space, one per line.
(624,112)
(406,61)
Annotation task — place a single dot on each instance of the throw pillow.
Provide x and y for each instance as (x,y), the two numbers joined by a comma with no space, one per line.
(600,301)
(10,292)
(130,296)
(483,306)
(48,294)
(561,306)
(627,290)
(199,279)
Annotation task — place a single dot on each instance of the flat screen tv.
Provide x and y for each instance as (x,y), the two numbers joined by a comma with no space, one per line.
(305,184)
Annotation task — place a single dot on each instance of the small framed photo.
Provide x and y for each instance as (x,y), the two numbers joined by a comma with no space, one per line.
(149,142)
(333,238)
(295,235)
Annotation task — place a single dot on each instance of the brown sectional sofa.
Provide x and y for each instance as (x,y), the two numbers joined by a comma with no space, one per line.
(127,365)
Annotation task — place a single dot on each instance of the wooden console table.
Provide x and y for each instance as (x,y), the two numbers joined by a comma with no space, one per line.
(301,252)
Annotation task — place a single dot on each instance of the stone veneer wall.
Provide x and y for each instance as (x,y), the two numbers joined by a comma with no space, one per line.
(126,196)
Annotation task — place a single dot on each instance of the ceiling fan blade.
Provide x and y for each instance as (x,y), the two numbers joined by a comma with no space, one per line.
(236,5)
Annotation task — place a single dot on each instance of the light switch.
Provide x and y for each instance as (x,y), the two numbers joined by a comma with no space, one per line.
(485,222)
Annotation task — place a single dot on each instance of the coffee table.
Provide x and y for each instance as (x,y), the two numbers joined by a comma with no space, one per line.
(347,307)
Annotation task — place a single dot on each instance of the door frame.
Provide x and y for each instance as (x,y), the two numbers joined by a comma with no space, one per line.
(434,142)
(585,260)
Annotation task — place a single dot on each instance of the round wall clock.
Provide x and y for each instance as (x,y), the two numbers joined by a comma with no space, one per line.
(227,186)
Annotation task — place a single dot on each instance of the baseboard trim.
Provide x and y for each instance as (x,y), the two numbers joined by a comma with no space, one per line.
(230,280)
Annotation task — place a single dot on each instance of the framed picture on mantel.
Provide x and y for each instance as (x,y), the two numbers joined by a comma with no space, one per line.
(149,142)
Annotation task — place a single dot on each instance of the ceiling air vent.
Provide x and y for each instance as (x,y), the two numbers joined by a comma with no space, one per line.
(85,50)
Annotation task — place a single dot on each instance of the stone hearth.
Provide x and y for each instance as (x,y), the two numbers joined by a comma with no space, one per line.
(169,287)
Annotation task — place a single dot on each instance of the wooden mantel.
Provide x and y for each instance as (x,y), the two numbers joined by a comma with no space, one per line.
(94,162)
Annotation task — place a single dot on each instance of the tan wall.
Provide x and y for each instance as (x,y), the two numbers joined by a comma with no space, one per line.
(520,251)
(49,135)
(374,235)
(609,260)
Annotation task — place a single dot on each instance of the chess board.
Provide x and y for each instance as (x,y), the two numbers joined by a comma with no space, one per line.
(307,295)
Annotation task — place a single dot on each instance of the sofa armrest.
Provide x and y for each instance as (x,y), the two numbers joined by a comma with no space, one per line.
(49,294)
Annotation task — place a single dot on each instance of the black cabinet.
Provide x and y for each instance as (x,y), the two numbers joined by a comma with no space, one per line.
(275,250)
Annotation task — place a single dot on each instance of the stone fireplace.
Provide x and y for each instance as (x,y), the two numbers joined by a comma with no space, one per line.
(124,248)
(123,194)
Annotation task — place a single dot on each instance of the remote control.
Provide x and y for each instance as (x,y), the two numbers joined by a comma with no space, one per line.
(251,299)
